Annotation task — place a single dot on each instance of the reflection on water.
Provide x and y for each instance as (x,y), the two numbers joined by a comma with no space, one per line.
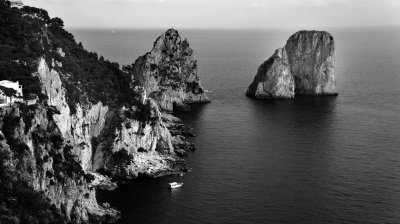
(175,191)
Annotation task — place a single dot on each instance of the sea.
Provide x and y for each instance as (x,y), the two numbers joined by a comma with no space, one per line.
(307,160)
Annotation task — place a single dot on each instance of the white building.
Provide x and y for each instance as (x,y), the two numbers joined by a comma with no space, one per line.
(16,3)
(6,100)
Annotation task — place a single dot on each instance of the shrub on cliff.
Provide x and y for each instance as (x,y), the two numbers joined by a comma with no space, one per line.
(21,43)
(29,33)
(19,166)
(89,79)
(19,203)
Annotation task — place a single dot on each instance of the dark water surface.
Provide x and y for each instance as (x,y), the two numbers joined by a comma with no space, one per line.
(309,160)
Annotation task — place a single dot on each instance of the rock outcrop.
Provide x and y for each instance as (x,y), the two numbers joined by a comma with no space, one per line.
(65,150)
(79,128)
(135,147)
(41,158)
(90,125)
(274,79)
(169,73)
(122,142)
(303,67)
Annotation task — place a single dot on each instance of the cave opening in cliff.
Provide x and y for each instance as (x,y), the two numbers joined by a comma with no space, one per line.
(161,148)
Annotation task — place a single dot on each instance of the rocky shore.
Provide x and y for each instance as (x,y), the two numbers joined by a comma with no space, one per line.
(305,66)
(93,123)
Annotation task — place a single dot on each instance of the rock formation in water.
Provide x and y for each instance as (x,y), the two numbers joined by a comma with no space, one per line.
(169,73)
(303,67)
(90,123)
(274,79)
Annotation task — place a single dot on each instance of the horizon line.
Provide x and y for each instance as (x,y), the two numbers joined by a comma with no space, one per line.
(230,28)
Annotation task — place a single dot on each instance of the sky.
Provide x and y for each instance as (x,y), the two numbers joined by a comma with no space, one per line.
(225,14)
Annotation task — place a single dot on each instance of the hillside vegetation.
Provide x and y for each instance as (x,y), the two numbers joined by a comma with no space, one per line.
(29,33)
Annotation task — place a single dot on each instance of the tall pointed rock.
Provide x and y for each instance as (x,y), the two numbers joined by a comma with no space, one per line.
(169,73)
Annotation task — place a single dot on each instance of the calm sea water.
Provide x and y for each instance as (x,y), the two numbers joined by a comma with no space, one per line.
(309,160)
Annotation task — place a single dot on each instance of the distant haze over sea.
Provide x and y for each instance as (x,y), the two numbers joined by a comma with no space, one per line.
(236,14)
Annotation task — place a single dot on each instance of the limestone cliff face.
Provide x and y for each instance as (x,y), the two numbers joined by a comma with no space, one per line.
(78,128)
(273,79)
(305,67)
(63,150)
(134,147)
(100,136)
(56,154)
(169,73)
(311,59)
(43,160)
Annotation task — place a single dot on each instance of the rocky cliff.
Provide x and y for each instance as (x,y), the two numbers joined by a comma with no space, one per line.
(169,73)
(274,79)
(303,67)
(42,180)
(90,124)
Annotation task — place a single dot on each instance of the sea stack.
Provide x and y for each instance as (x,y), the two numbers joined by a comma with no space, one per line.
(169,73)
(305,66)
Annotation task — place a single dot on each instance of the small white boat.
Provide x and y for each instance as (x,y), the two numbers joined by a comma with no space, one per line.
(175,185)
